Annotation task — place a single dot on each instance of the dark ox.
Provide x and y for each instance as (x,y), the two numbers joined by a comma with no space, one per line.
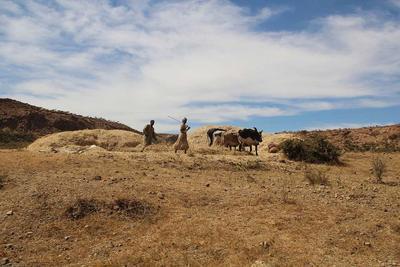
(250,137)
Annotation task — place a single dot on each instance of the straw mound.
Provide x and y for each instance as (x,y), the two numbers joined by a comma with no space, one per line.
(198,137)
(80,141)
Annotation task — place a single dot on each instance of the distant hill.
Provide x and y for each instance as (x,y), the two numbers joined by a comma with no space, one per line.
(374,138)
(21,122)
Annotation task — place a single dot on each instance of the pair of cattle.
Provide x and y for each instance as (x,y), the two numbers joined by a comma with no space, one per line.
(241,139)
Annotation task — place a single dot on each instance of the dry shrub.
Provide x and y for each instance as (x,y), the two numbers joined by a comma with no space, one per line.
(394,136)
(132,208)
(378,168)
(249,165)
(313,149)
(316,177)
(2,180)
(82,208)
(285,190)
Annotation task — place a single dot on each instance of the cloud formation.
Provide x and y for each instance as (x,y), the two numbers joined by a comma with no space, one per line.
(138,60)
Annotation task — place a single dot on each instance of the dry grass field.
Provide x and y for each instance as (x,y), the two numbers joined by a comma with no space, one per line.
(211,207)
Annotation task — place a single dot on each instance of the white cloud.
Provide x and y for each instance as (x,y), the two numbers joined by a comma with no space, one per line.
(395,2)
(144,60)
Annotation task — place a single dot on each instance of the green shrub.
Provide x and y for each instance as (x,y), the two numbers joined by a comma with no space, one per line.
(313,149)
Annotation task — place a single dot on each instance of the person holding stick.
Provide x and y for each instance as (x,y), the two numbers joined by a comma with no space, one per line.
(182,142)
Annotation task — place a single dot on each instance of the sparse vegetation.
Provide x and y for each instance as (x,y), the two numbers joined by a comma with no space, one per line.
(2,180)
(316,176)
(378,168)
(313,149)
(249,165)
(285,190)
(129,207)
(132,208)
(82,208)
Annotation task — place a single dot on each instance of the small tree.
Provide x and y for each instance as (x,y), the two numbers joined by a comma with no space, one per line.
(378,168)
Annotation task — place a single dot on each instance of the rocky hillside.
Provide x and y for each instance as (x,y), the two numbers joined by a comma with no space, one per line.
(21,122)
(23,117)
(378,138)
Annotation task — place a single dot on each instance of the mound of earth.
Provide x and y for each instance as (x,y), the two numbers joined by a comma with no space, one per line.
(84,140)
(20,118)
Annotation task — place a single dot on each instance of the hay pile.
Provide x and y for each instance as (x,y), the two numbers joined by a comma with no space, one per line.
(198,138)
(85,140)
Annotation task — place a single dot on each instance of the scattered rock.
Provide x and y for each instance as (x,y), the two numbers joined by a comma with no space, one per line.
(9,246)
(161,195)
(273,150)
(97,178)
(67,238)
(265,245)
(208,185)
(9,213)
(4,261)
(368,244)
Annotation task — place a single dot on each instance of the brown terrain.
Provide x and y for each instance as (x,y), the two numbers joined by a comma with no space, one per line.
(90,198)
(378,138)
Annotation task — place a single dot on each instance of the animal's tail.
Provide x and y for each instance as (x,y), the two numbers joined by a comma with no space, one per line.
(210,135)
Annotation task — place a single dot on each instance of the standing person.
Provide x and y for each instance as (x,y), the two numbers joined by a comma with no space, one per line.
(182,142)
(149,136)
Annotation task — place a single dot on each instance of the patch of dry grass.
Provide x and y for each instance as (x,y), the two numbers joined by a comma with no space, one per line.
(2,180)
(316,176)
(82,207)
(131,208)
(378,168)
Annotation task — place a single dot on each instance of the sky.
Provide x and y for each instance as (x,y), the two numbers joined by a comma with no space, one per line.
(274,64)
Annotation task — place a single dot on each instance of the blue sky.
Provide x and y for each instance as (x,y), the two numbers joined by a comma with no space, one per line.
(275,64)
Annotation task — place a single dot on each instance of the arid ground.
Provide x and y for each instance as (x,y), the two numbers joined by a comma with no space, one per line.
(211,207)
